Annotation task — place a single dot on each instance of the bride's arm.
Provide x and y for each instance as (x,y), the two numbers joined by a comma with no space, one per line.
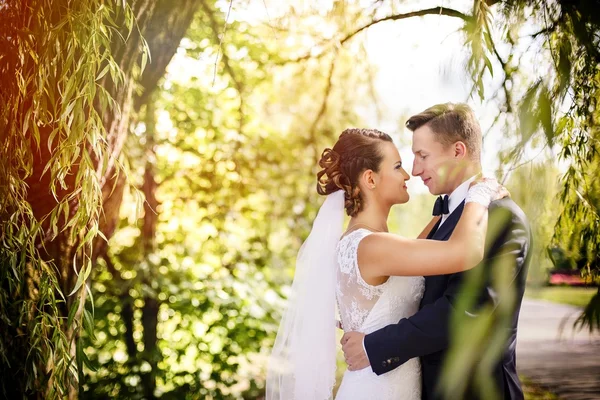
(384,254)
(428,228)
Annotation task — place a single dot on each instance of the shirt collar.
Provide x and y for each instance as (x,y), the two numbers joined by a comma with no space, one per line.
(459,194)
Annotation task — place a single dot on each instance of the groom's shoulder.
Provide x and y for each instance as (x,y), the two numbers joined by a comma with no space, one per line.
(506,209)
(508,205)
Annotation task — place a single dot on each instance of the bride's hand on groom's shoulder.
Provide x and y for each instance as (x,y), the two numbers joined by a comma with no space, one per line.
(354,351)
(498,191)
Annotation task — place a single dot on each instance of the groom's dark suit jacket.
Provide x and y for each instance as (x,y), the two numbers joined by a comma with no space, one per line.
(426,334)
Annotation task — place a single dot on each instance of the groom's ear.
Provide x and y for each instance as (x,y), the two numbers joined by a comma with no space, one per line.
(460,150)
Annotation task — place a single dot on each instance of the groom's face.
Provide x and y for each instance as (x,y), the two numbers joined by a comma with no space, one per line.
(434,163)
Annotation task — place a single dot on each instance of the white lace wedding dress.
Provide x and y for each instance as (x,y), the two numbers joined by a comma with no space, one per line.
(366,308)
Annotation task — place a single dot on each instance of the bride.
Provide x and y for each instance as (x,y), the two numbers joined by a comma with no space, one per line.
(375,278)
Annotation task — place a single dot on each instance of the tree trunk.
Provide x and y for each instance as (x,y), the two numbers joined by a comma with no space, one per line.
(163,24)
(151,304)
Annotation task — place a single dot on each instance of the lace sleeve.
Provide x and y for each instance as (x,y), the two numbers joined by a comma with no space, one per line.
(355,296)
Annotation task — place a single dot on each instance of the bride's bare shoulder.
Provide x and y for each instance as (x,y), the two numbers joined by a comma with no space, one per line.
(376,245)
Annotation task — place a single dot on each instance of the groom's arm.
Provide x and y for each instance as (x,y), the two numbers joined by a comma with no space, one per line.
(423,333)
(427,331)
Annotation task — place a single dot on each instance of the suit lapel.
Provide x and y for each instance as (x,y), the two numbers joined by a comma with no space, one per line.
(434,230)
(440,233)
(443,232)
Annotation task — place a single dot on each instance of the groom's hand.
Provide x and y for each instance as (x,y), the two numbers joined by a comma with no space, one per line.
(354,352)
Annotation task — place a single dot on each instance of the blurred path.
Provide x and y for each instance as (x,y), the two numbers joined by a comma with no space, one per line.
(567,364)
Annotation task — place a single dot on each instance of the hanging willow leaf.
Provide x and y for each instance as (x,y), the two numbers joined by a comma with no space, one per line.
(88,323)
(103,72)
(51,104)
(72,312)
(590,316)
(528,116)
(564,66)
(488,65)
(546,115)
(83,274)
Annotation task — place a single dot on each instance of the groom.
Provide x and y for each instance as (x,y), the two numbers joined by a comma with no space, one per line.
(447,145)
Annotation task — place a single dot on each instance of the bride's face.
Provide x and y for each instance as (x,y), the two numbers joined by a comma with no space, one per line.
(390,181)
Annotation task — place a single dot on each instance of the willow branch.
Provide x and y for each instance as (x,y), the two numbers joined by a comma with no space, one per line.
(227,63)
(323,108)
(214,26)
(449,12)
(505,69)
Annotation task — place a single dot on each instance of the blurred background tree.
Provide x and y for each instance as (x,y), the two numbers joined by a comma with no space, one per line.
(158,165)
(226,163)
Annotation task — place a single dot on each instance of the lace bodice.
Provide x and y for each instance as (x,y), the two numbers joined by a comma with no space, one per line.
(367,308)
(399,296)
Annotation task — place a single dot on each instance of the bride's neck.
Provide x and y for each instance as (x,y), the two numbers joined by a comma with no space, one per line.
(373,217)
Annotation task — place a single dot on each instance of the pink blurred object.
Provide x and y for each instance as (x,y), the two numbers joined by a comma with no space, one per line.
(570,278)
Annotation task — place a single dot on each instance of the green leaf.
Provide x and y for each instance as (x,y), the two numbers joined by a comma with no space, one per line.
(564,66)
(480,89)
(103,72)
(69,108)
(54,132)
(144,60)
(82,277)
(545,115)
(488,65)
(528,118)
(488,40)
(88,323)
(99,232)
(36,134)
(91,297)
(26,123)
(72,312)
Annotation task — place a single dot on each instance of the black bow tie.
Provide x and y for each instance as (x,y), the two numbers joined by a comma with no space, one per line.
(441,206)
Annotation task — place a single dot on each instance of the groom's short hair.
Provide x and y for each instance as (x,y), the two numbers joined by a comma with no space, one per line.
(451,122)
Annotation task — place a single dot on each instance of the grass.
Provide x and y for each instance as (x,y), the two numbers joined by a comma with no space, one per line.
(535,392)
(575,296)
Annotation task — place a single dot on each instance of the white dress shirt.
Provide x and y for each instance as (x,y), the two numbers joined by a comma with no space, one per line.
(457,196)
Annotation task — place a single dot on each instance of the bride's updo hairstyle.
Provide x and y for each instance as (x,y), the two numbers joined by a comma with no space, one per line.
(356,151)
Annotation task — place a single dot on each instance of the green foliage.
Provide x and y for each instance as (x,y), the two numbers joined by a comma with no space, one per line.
(590,317)
(52,133)
(570,32)
(535,187)
(572,295)
(479,42)
(576,35)
(558,109)
(235,166)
